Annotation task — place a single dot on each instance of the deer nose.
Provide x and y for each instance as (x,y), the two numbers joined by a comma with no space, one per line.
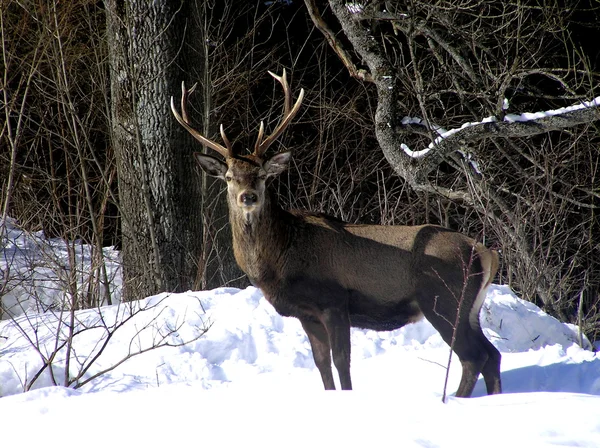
(248,199)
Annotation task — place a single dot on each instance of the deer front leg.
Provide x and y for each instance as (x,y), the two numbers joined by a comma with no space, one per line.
(319,342)
(337,323)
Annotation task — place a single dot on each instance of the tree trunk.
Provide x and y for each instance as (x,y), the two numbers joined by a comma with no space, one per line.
(159,187)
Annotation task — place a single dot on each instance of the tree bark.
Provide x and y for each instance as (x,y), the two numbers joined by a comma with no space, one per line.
(159,187)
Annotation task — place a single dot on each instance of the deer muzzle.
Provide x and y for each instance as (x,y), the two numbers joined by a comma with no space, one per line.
(247,199)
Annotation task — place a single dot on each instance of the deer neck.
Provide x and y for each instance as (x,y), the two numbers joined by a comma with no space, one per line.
(260,240)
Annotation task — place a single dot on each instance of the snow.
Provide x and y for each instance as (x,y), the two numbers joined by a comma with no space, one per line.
(509,118)
(354,8)
(227,370)
(34,270)
(528,116)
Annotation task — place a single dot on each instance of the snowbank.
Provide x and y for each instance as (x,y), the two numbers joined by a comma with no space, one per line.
(222,368)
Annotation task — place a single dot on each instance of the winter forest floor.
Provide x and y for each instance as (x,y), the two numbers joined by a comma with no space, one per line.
(222,368)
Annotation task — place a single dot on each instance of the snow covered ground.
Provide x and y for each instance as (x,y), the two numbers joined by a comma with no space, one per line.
(228,371)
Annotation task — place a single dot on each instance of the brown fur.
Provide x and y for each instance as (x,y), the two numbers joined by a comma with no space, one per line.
(332,275)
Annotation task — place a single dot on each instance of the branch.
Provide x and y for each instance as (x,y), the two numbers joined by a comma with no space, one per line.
(456,140)
(415,166)
(513,126)
(385,78)
(335,43)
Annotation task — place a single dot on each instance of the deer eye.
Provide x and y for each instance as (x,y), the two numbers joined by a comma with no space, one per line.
(262,176)
(228,178)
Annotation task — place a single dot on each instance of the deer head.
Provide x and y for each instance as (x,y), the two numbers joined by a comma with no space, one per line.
(245,174)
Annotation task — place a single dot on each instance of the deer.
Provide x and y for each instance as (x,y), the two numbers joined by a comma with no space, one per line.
(333,275)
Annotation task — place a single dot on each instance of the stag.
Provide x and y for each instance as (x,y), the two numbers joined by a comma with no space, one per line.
(333,275)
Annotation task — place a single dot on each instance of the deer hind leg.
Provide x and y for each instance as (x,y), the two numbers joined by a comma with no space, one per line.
(478,355)
(470,345)
(319,342)
(472,363)
(491,369)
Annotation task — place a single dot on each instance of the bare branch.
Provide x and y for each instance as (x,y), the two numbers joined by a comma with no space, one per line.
(513,126)
(335,43)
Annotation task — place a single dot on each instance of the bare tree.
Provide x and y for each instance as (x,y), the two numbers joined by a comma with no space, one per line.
(459,85)
(159,196)
(58,173)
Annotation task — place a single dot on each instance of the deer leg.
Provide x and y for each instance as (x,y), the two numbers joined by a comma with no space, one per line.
(337,323)
(319,342)
(471,368)
(470,349)
(491,370)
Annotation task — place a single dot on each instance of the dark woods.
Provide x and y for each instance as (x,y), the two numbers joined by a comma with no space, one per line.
(535,198)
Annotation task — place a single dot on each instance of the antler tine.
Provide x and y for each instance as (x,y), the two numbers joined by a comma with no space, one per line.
(184,121)
(226,140)
(261,131)
(286,90)
(184,96)
(288,114)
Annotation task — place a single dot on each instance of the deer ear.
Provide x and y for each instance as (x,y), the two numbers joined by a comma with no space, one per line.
(278,163)
(210,165)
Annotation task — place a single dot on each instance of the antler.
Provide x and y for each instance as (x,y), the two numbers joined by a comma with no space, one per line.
(225,151)
(288,114)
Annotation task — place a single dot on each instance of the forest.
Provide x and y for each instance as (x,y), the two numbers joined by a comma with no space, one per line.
(481,116)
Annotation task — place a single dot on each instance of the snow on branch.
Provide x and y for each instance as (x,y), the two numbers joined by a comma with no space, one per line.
(523,125)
